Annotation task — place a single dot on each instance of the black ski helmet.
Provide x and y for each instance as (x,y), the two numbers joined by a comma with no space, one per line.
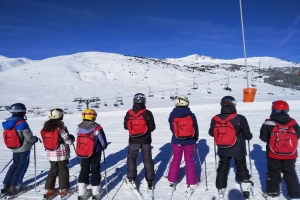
(228,101)
(17,109)
(139,98)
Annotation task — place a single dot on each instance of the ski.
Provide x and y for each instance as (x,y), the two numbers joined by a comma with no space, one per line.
(260,192)
(189,193)
(134,190)
(173,188)
(23,190)
(86,196)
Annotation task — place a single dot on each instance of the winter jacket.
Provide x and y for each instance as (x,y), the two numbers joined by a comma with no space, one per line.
(63,150)
(148,116)
(266,130)
(86,127)
(180,112)
(242,129)
(23,130)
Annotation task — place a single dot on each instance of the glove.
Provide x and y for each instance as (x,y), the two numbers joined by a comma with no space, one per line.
(35,139)
(72,137)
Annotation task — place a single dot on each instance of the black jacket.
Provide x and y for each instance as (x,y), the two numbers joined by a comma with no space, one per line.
(242,128)
(148,116)
(266,130)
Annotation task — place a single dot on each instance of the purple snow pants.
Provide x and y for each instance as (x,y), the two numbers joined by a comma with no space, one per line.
(190,168)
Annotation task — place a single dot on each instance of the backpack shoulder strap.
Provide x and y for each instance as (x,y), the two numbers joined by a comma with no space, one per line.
(291,123)
(231,116)
(98,127)
(19,122)
(216,118)
(136,114)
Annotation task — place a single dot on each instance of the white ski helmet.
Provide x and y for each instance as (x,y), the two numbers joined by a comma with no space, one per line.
(55,113)
(181,100)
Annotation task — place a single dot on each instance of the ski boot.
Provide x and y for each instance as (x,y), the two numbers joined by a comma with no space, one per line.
(5,189)
(172,186)
(150,185)
(50,193)
(273,196)
(64,192)
(246,188)
(221,193)
(13,190)
(131,183)
(96,192)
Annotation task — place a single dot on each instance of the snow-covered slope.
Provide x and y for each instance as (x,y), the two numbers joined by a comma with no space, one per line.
(55,82)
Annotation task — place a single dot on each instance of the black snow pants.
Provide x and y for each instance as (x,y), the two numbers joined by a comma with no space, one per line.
(242,172)
(287,167)
(132,155)
(90,165)
(61,168)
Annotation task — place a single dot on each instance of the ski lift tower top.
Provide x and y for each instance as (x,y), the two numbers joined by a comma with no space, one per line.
(86,101)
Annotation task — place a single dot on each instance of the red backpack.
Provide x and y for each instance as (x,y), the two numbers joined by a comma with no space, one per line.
(224,132)
(85,143)
(11,137)
(284,139)
(183,127)
(50,139)
(136,123)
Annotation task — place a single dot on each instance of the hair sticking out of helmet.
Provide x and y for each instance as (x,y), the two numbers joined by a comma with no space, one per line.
(280,106)
(56,113)
(89,114)
(139,98)
(182,100)
(18,109)
(228,101)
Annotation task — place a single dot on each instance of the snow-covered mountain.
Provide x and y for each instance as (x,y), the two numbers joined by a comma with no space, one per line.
(8,63)
(107,75)
(55,82)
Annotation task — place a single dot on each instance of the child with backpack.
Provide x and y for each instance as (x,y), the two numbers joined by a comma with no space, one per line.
(282,154)
(140,123)
(184,127)
(91,141)
(19,138)
(57,141)
(230,131)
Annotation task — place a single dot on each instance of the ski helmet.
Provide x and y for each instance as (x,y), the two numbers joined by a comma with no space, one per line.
(228,101)
(280,106)
(56,113)
(17,109)
(89,114)
(182,100)
(139,98)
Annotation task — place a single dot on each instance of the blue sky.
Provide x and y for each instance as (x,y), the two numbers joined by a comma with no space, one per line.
(39,29)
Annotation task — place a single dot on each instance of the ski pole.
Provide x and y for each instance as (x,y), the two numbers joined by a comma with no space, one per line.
(201,166)
(6,166)
(168,166)
(200,163)
(105,174)
(250,164)
(34,156)
(76,154)
(215,157)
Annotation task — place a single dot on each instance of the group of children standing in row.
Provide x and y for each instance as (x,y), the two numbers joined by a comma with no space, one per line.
(229,129)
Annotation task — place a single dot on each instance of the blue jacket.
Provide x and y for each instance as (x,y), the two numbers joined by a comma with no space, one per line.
(180,112)
(86,127)
(23,130)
